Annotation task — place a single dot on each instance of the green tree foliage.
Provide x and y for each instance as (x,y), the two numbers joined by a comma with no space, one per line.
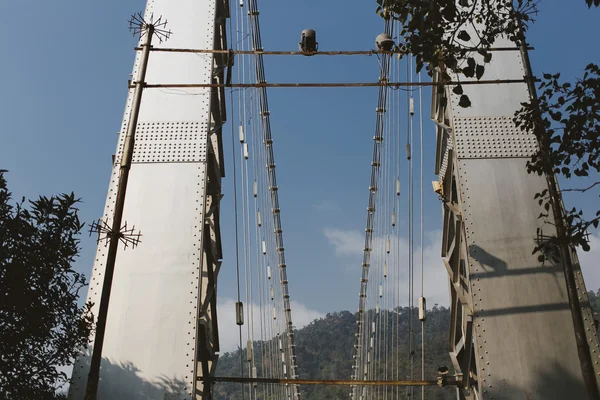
(566,120)
(453,37)
(41,324)
(325,348)
(594,301)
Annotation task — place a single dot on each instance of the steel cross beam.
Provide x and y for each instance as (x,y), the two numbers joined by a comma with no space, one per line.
(331,382)
(301,53)
(327,84)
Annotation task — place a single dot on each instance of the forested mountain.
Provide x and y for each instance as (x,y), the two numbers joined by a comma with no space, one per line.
(325,348)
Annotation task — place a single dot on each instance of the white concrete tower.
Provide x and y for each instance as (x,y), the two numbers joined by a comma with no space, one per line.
(161,330)
(511,333)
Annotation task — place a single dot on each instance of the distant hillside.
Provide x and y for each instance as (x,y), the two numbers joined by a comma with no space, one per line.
(325,346)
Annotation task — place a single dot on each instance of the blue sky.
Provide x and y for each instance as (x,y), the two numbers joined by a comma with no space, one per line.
(64,73)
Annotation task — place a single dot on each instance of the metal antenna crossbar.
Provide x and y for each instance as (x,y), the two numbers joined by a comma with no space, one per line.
(127,236)
(140,27)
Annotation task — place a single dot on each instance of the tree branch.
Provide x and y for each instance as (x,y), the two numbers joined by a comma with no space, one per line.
(581,190)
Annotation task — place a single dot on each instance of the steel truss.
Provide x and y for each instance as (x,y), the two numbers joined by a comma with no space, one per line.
(454,255)
(212,252)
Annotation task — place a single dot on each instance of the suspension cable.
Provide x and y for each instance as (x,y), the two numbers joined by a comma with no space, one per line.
(422,304)
(398,241)
(235,206)
(377,340)
(289,355)
(362,365)
(237,256)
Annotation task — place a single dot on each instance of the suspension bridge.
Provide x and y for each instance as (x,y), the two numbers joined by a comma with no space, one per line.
(201,76)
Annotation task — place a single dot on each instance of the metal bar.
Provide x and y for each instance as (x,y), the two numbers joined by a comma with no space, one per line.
(300,53)
(115,233)
(324,84)
(465,366)
(334,382)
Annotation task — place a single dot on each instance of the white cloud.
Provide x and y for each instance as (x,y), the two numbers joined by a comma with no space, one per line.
(348,243)
(229,338)
(302,315)
(326,205)
(345,243)
(590,263)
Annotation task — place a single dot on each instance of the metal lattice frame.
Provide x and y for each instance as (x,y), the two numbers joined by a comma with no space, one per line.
(454,255)
(208,332)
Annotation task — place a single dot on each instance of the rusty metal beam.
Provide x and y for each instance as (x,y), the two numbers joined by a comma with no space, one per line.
(300,53)
(325,84)
(335,382)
